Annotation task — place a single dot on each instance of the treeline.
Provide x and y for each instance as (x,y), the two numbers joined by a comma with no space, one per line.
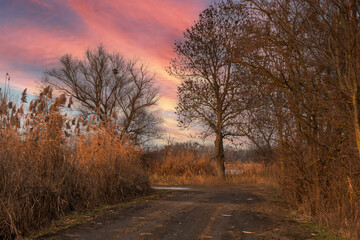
(285,74)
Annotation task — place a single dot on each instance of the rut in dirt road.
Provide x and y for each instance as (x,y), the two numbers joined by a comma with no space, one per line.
(209,212)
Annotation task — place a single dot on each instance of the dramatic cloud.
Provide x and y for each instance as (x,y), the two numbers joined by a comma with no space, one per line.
(36,33)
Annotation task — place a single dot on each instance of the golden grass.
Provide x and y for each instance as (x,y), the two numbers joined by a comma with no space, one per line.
(189,167)
(324,191)
(48,169)
(183,163)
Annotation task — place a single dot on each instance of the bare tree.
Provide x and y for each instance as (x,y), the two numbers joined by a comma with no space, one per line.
(105,84)
(308,51)
(135,99)
(209,94)
(305,53)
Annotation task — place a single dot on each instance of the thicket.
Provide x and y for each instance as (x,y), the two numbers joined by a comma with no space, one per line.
(303,102)
(51,164)
(291,85)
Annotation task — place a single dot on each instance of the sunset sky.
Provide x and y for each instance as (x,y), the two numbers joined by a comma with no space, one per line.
(34,34)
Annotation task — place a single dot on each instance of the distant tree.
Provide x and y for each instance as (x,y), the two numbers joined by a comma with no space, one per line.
(105,84)
(209,94)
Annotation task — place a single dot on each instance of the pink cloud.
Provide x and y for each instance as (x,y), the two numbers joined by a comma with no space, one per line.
(39,2)
(33,45)
(136,28)
(142,28)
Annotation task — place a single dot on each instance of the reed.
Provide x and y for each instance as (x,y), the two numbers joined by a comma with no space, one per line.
(176,165)
(51,165)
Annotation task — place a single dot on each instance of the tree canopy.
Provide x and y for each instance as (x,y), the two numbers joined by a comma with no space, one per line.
(106,84)
(210,91)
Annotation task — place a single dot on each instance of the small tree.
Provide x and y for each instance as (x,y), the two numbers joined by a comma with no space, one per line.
(105,84)
(209,94)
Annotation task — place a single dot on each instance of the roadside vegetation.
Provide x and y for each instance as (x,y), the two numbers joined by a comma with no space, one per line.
(285,75)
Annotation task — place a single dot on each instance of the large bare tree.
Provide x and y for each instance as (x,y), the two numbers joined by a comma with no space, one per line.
(209,94)
(105,84)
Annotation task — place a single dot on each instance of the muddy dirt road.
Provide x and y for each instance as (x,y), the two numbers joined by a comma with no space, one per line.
(209,212)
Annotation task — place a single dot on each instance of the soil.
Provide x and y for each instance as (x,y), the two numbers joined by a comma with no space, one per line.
(201,212)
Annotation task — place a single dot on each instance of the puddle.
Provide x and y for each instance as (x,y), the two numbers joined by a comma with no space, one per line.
(171,188)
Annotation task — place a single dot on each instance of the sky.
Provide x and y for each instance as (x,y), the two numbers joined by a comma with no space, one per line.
(34,34)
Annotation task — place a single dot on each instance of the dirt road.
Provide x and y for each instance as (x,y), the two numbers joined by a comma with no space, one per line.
(209,212)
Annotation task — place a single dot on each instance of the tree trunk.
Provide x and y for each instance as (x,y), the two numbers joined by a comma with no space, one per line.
(355,97)
(356,103)
(219,155)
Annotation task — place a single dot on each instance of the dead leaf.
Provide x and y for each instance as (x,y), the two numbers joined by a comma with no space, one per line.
(247,232)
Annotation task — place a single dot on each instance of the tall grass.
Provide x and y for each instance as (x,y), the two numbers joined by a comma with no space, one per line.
(252,172)
(325,190)
(183,164)
(50,166)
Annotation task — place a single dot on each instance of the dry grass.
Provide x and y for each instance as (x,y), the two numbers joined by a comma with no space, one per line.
(190,166)
(252,172)
(185,163)
(325,191)
(46,172)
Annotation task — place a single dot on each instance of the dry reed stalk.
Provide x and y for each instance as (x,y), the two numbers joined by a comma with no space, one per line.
(189,166)
(43,176)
